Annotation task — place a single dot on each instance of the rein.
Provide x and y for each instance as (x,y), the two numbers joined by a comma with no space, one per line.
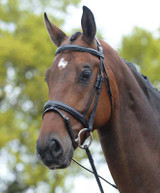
(57,106)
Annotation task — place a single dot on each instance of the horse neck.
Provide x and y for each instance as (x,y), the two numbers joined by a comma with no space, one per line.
(131,137)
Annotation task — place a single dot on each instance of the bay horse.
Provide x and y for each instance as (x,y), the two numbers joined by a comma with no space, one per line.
(125,115)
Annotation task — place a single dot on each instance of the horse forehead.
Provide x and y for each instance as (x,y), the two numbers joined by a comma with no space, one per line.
(75,58)
(62,63)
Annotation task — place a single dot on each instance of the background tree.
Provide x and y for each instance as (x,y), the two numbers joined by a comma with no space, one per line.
(142,48)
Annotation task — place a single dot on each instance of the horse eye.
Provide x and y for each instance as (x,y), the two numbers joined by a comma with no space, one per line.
(85,75)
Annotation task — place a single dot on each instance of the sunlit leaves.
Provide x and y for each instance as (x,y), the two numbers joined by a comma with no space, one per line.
(142,48)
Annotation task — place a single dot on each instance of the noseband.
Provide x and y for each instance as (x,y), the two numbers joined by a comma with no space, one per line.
(57,106)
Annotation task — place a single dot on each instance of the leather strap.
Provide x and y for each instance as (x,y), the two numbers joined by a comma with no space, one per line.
(80,49)
(52,105)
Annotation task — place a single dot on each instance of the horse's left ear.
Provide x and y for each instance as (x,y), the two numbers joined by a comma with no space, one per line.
(88,25)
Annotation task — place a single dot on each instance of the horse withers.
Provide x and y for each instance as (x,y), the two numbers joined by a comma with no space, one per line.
(91,87)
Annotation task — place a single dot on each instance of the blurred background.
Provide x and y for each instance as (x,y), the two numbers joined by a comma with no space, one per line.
(131,27)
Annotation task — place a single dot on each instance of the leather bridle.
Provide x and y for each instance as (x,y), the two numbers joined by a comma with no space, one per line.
(57,106)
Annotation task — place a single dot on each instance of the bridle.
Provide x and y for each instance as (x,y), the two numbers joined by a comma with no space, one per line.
(58,106)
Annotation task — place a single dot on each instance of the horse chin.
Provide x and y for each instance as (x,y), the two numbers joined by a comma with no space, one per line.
(62,166)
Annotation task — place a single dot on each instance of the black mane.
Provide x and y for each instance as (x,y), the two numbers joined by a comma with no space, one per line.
(75,36)
(147,83)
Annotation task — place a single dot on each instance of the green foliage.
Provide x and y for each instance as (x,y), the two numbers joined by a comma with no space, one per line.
(26,53)
(142,48)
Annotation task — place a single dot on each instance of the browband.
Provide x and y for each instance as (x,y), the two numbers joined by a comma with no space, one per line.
(80,49)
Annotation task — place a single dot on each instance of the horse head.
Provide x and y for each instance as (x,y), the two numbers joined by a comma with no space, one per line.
(72,80)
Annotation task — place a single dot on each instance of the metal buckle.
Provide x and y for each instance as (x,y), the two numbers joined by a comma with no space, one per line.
(78,140)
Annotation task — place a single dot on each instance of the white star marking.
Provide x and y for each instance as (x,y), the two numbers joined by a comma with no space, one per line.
(62,64)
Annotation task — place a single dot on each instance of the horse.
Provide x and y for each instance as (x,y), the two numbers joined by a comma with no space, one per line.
(91,86)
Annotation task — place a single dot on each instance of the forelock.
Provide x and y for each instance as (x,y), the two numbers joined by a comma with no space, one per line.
(75,36)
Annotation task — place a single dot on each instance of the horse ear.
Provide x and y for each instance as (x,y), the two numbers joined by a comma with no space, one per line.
(56,35)
(88,25)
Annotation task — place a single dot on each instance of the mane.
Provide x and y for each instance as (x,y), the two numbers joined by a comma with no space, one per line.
(75,36)
(144,79)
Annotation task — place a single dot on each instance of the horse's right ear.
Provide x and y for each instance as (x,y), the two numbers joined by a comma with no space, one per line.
(56,35)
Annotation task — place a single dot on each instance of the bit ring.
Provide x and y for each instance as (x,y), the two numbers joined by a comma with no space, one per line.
(78,140)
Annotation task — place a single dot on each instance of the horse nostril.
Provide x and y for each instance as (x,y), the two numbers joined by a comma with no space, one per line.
(56,148)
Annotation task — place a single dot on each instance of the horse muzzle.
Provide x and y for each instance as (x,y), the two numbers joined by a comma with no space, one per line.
(53,154)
